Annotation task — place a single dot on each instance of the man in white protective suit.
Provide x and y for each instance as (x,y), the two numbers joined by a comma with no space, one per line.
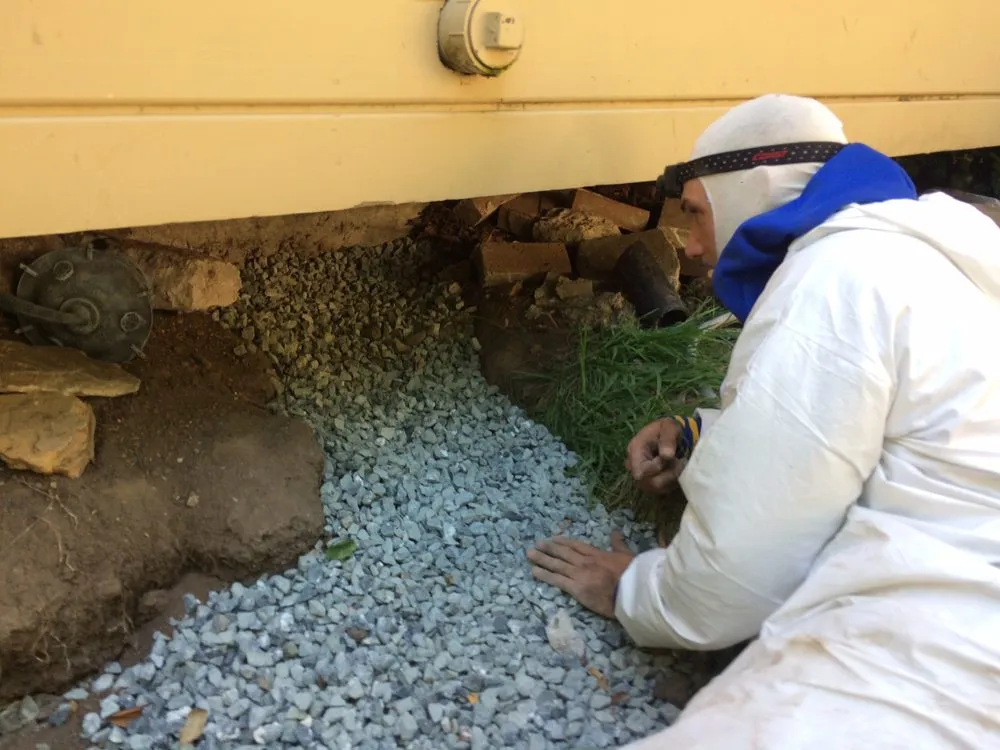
(844,504)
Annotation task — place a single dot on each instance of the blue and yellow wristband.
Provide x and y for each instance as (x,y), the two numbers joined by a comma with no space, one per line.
(690,432)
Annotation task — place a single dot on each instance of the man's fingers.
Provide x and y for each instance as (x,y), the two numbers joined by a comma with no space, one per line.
(667,438)
(574,550)
(642,448)
(548,562)
(554,579)
(641,459)
(663,481)
(563,549)
(647,469)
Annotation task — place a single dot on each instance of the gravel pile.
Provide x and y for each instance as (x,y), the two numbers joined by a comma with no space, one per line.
(432,634)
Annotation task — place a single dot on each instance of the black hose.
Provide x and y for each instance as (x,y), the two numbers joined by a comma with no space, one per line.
(17,306)
(648,289)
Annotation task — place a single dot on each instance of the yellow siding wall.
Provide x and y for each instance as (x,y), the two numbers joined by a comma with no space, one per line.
(124,113)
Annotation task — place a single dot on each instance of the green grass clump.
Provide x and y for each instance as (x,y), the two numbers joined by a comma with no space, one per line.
(622,379)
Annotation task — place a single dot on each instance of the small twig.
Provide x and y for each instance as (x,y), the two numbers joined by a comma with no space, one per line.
(25,531)
(33,488)
(63,555)
(51,496)
(69,664)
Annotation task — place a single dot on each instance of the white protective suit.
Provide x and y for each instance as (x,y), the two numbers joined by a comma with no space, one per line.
(844,504)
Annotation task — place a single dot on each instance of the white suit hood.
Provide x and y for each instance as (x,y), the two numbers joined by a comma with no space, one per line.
(765,121)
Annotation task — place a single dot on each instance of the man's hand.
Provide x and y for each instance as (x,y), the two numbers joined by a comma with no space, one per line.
(651,458)
(584,572)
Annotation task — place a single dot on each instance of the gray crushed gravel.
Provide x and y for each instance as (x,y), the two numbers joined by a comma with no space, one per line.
(433,634)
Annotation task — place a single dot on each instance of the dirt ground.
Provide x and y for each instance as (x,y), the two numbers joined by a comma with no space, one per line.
(193,473)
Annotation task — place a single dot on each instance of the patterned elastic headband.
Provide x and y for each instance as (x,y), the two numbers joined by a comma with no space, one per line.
(671,182)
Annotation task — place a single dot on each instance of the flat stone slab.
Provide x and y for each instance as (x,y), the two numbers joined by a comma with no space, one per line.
(53,369)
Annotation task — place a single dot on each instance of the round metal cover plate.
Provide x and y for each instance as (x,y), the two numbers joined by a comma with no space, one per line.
(111,290)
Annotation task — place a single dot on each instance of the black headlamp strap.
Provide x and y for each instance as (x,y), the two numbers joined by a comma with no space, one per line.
(734,161)
(765,156)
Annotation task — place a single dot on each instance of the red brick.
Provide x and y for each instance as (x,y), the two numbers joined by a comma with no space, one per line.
(627,217)
(509,262)
(472,211)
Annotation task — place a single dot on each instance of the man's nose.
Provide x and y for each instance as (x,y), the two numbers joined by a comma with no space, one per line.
(693,248)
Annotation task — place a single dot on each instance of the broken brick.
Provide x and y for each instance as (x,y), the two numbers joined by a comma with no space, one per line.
(518,215)
(629,218)
(473,211)
(596,259)
(509,262)
(516,223)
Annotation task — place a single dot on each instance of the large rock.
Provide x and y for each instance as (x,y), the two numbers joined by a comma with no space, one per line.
(47,433)
(564,225)
(186,281)
(53,369)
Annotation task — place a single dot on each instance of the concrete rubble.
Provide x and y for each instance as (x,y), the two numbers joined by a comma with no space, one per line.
(567,225)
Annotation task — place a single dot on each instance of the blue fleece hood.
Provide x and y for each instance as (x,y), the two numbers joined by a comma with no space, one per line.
(856,175)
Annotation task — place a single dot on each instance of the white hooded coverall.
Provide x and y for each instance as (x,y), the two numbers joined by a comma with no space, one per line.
(844,504)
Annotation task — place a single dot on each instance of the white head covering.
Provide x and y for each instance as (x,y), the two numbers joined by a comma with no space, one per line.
(766,121)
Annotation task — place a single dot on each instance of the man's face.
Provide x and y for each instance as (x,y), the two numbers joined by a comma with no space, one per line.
(701,228)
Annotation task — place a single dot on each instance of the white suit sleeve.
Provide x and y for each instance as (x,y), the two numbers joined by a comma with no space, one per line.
(707,417)
(767,487)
